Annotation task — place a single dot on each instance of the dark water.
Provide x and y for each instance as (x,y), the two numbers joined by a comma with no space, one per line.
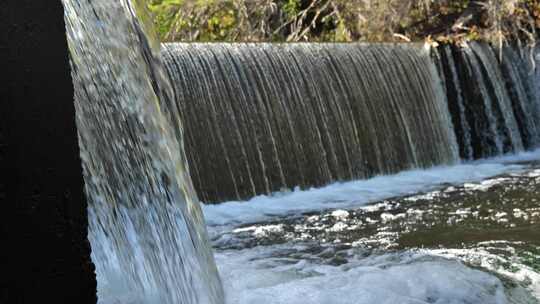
(492,95)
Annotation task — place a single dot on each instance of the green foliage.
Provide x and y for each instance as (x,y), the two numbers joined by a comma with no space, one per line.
(165,12)
(291,7)
(345,20)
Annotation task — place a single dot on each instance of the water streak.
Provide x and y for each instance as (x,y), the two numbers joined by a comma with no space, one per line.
(492,97)
(263,117)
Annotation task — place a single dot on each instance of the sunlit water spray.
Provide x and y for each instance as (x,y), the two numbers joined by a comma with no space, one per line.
(147,232)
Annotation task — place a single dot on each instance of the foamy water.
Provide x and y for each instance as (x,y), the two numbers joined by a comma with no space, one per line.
(253,276)
(358,193)
(291,273)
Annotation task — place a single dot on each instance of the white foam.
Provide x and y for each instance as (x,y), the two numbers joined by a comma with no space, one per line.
(260,275)
(357,193)
(261,231)
(340,214)
(481,258)
(254,276)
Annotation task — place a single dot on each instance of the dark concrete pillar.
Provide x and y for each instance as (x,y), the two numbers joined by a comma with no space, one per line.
(44,249)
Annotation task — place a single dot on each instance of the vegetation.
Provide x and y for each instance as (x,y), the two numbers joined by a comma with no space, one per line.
(346,20)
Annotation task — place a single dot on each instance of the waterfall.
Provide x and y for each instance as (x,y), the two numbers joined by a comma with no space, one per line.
(492,97)
(147,232)
(263,117)
(259,118)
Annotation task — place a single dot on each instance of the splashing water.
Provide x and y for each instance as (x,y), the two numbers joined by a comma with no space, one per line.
(146,228)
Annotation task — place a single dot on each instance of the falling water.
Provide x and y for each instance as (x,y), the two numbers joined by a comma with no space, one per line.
(146,228)
(519,69)
(492,97)
(263,117)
